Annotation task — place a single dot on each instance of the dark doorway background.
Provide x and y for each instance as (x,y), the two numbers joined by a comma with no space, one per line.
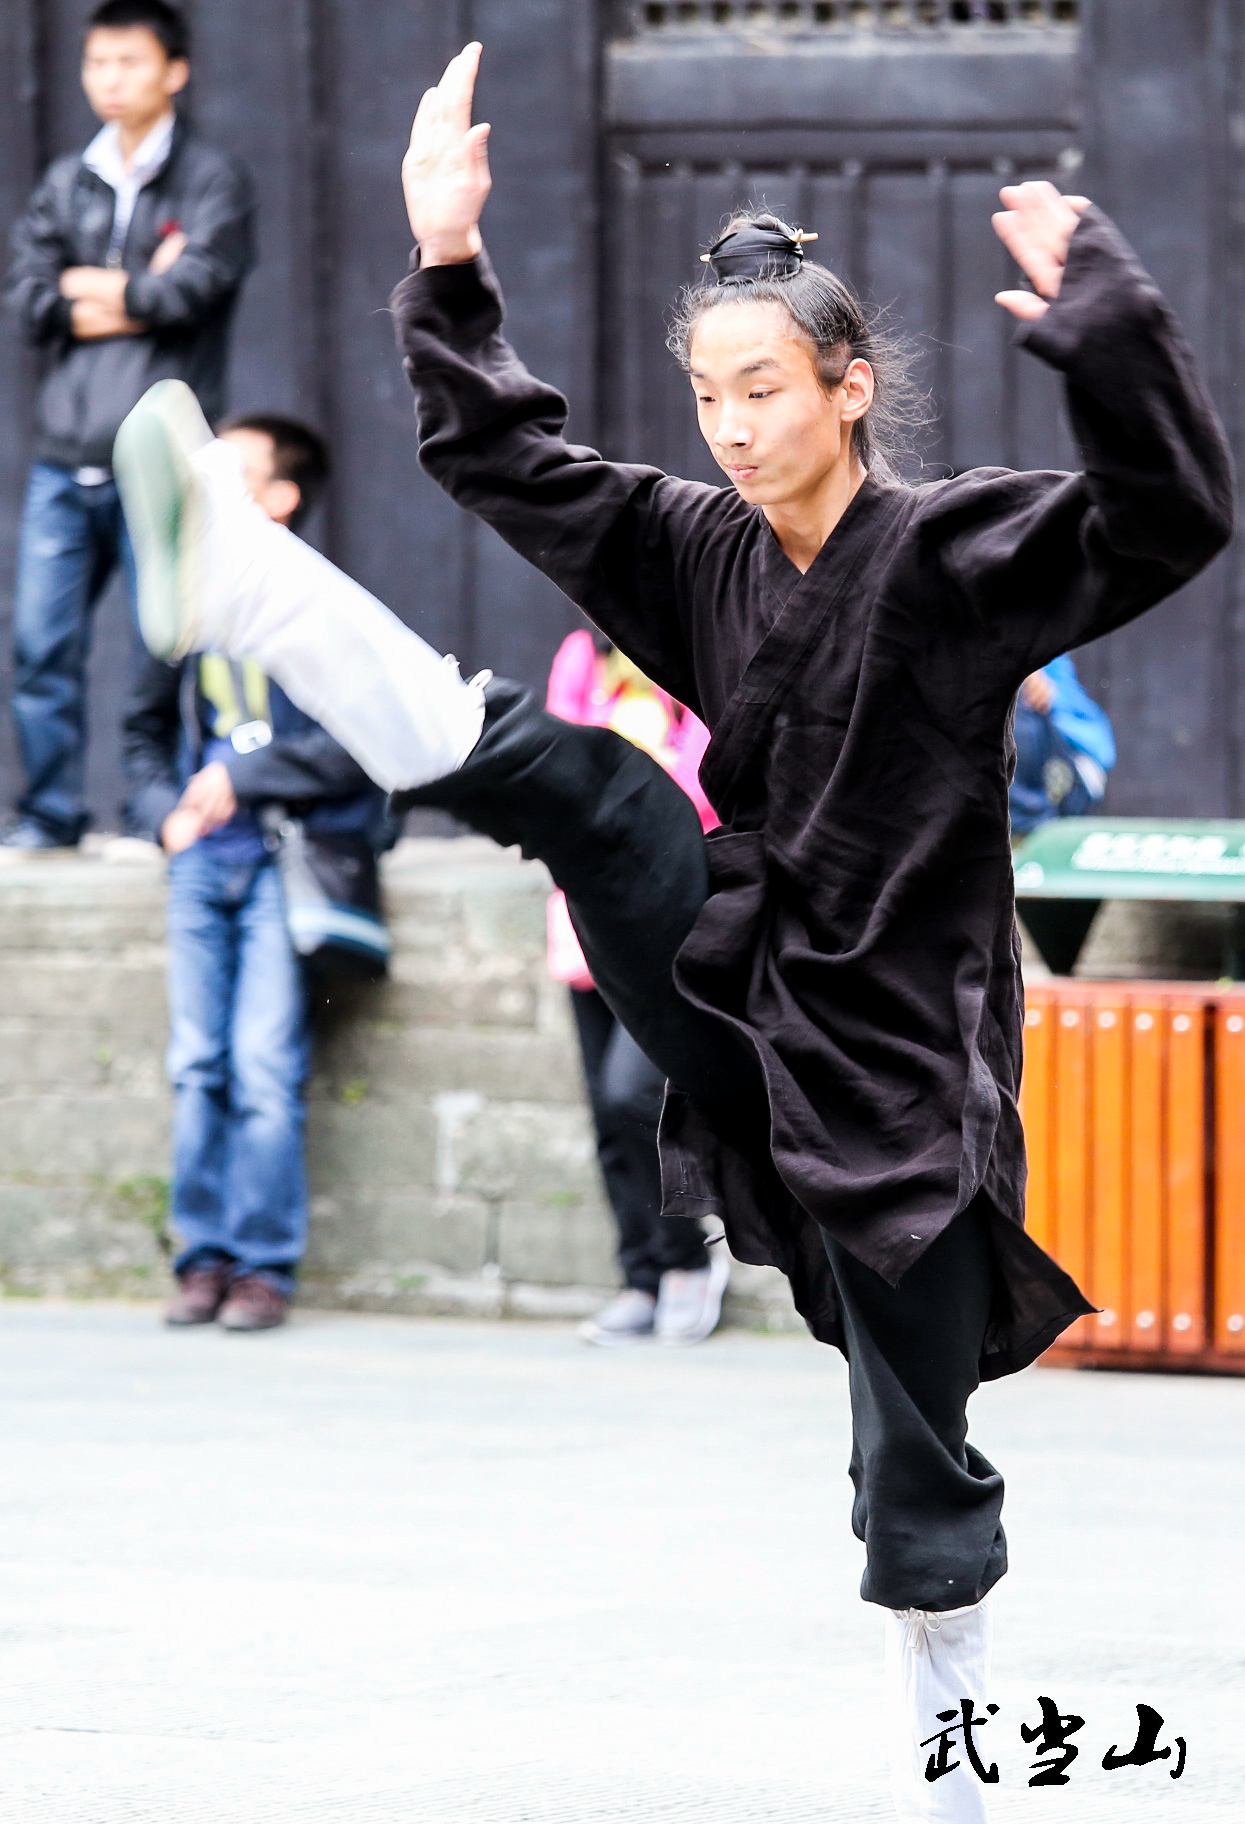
(622,136)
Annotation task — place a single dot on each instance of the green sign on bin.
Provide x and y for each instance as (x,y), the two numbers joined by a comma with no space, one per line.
(1132,858)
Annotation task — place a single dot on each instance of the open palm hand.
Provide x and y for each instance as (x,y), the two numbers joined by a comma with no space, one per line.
(1036,225)
(445,174)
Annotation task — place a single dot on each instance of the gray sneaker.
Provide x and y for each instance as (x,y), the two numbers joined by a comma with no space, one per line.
(626,1319)
(26,837)
(690,1304)
(163,506)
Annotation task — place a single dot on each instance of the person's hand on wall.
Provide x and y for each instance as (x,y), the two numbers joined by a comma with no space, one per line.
(445,174)
(1038,693)
(1036,225)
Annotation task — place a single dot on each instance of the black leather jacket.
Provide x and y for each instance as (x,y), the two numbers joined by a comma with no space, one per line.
(89,387)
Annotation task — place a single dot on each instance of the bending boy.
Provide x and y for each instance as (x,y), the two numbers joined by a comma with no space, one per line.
(830,981)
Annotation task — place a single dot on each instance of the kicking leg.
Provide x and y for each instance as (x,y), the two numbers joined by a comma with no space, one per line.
(214,573)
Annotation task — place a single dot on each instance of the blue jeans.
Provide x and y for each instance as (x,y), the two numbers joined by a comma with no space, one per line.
(237,1060)
(72,539)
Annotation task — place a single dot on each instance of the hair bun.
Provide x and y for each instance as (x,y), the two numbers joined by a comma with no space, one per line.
(756,252)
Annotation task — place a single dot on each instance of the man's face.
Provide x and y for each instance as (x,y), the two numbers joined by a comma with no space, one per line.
(763,410)
(279,499)
(127,76)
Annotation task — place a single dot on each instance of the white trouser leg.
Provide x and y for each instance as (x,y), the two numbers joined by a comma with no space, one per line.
(933,1662)
(385,694)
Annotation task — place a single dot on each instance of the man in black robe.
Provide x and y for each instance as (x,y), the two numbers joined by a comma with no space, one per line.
(831,981)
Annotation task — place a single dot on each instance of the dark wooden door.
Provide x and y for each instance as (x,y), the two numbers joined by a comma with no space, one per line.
(887,130)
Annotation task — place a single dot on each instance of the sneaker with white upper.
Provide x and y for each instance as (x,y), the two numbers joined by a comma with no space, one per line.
(164,512)
(626,1319)
(689,1304)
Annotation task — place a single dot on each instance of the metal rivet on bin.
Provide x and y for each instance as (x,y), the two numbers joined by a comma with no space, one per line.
(1106,1319)
(1235,1022)
(1182,1022)
(1236,1321)
(1144,1021)
(1033,1017)
(1106,1020)
(1070,1018)
(1145,1320)
(1182,1321)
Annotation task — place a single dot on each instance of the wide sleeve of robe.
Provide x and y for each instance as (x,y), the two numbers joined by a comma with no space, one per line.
(617,538)
(1042,562)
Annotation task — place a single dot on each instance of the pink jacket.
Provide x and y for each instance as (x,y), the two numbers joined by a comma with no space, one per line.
(575,693)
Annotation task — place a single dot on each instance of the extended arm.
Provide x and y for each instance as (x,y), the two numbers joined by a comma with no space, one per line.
(1046,562)
(612,536)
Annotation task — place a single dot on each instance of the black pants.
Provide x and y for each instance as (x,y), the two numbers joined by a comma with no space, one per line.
(625,845)
(625,1093)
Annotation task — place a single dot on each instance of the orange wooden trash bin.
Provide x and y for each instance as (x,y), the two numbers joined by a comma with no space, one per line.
(1133,1100)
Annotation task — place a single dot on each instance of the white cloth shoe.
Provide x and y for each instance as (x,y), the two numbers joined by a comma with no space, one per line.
(933,1662)
(689,1304)
(215,573)
(626,1319)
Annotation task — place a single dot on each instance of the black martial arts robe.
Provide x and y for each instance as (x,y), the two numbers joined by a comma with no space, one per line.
(860,932)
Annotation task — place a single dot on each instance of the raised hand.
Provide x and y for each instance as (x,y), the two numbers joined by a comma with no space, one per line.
(1035,225)
(445,174)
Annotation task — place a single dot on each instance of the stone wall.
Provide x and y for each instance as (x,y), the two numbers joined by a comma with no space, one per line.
(451,1158)
(452,1163)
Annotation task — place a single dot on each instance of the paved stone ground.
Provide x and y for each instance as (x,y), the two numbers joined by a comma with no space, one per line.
(375,1569)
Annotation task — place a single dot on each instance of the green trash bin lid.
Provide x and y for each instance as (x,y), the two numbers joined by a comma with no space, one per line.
(1132,858)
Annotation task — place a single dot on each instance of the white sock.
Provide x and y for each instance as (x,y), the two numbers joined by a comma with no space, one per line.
(933,1661)
(391,700)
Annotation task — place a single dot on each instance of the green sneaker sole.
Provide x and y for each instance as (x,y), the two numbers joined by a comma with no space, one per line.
(163,511)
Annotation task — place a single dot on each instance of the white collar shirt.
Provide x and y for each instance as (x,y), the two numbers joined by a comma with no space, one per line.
(103,156)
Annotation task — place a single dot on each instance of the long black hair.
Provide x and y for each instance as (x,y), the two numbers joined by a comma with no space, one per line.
(759,259)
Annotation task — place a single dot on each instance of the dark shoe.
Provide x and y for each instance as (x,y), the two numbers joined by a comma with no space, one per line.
(200,1294)
(27,837)
(253,1304)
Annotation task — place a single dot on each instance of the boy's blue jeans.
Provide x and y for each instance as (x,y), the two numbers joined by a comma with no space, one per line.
(72,539)
(237,1060)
